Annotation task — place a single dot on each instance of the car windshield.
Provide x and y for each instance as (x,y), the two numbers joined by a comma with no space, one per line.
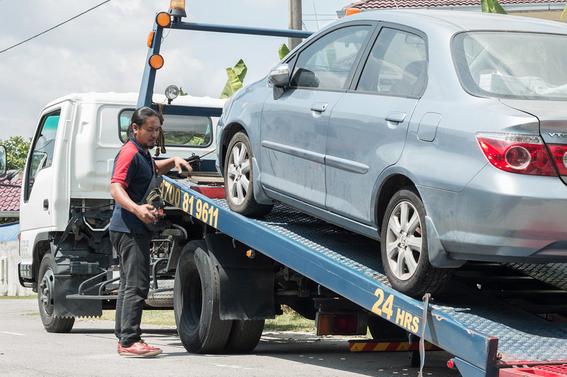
(512,64)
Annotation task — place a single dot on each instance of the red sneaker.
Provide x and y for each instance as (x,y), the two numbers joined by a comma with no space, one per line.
(138,349)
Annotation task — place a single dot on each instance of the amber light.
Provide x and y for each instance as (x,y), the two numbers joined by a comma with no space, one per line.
(163,19)
(156,61)
(150,41)
(352,11)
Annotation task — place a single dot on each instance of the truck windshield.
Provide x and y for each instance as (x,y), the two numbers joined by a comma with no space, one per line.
(517,65)
(179,130)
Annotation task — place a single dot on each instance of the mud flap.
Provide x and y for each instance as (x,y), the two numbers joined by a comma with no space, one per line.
(67,284)
(246,284)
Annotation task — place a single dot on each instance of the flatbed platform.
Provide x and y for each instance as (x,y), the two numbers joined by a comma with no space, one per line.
(483,332)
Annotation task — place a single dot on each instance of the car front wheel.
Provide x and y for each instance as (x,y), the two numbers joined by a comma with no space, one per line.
(238,178)
(404,247)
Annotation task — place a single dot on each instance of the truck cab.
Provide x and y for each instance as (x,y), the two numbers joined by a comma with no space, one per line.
(65,203)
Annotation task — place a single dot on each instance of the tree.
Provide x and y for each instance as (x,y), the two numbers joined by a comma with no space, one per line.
(16,150)
(491,6)
(235,80)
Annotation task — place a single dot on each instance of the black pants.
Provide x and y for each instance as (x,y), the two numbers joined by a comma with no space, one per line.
(134,255)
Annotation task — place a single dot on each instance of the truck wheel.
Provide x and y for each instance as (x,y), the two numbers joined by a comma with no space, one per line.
(244,336)
(238,178)
(196,302)
(404,247)
(46,301)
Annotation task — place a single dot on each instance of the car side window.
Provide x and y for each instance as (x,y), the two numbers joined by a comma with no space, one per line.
(328,62)
(42,150)
(396,66)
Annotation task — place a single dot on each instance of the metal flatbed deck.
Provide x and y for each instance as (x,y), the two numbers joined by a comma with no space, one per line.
(483,332)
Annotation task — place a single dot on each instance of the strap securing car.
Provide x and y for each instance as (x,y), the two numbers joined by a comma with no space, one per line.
(426,299)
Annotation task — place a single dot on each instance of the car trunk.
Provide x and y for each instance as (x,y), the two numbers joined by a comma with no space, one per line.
(552,116)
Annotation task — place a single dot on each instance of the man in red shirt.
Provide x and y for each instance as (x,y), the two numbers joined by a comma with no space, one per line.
(134,169)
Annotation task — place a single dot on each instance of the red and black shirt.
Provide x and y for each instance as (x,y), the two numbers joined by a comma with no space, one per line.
(134,169)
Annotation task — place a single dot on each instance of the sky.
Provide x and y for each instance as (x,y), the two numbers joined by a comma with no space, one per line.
(105,50)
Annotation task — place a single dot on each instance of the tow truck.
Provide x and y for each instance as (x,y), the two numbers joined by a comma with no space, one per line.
(230,273)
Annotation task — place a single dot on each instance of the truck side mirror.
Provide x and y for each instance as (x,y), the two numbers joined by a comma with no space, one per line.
(279,76)
(2,160)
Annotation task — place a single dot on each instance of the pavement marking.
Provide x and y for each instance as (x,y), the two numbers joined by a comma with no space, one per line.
(11,333)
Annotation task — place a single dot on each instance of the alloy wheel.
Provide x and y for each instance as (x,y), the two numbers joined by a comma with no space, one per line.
(239,173)
(404,240)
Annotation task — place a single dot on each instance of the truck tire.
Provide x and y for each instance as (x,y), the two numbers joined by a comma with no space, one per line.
(406,260)
(196,302)
(45,298)
(239,178)
(244,336)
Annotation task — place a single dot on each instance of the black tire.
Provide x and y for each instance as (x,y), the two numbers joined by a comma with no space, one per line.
(45,298)
(249,206)
(425,277)
(196,302)
(380,329)
(244,336)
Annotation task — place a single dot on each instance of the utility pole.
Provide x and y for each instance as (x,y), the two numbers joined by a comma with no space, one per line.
(295,21)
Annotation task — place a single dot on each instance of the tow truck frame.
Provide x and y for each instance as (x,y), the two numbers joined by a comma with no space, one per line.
(486,334)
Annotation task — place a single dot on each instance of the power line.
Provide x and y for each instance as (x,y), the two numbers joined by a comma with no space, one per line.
(54,27)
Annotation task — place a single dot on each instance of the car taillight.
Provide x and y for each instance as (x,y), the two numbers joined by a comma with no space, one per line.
(523,154)
(559,153)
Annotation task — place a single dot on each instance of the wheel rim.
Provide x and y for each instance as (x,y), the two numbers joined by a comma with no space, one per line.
(404,240)
(46,291)
(238,173)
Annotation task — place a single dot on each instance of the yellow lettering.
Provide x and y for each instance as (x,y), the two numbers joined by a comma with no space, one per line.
(376,307)
(400,314)
(387,308)
(191,199)
(185,206)
(205,212)
(407,321)
(415,324)
(177,197)
(199,207)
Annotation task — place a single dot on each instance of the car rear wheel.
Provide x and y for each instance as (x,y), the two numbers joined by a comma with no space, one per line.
(404,247)
(238,178)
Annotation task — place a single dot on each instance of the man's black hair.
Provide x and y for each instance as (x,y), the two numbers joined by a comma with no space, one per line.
(141,115)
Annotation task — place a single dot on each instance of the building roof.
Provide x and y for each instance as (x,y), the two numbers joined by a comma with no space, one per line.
(382,4)
(10,188)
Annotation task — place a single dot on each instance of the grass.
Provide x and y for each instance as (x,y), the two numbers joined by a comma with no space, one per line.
(31,297)
(288,321)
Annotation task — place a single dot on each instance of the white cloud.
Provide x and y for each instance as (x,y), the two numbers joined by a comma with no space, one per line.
(105,50)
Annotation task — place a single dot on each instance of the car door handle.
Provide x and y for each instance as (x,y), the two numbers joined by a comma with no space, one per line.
(45,204)
(396,117)
(319,107)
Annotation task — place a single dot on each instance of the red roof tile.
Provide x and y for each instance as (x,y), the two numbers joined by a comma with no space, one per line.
(10,187)
(381,4)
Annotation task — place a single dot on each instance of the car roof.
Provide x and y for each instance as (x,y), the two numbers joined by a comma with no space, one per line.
(456,21)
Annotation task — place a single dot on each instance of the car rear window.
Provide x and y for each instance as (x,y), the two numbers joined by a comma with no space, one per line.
(518,65)
(179,130)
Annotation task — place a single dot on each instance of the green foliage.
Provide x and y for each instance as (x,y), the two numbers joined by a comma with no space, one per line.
(236,77)
(283,51)
(491,6)
(16,150)
(563,13)
(181,92)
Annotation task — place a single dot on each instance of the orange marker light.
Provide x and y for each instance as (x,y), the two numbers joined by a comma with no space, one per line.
(250,253)
(156,61)
(163,19)
(150,41)
(352,11)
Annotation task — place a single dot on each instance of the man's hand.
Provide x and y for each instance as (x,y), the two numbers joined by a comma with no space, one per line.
(147,213)
(181,164)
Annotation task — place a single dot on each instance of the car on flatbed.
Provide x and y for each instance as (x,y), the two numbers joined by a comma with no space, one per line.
(441,133)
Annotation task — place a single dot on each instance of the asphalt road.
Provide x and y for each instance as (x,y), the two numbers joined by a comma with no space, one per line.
(26,350)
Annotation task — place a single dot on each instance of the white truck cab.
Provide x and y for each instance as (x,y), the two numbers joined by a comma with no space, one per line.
(69,167)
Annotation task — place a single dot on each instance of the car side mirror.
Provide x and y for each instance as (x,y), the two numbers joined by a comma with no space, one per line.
(279,76)
(3,160)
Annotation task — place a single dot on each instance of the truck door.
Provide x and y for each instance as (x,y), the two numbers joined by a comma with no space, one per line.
(45,174)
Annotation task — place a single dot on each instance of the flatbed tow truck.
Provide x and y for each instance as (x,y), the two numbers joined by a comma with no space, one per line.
(497,321)
(231,273)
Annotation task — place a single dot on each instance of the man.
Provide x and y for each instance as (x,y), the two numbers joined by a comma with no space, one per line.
(134,169)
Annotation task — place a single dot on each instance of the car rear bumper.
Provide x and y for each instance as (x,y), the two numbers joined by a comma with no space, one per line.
(503,216)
